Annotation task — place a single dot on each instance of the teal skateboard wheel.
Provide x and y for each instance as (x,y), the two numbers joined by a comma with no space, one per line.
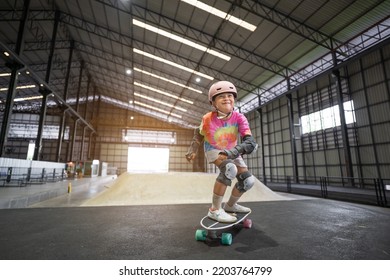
(200,235)
(226,238)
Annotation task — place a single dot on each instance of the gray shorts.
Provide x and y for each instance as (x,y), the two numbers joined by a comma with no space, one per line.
(212,155)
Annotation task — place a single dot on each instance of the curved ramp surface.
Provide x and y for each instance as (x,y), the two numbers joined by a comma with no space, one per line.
(171,188)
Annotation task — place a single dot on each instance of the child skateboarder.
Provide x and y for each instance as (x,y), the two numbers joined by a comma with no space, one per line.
(220,131)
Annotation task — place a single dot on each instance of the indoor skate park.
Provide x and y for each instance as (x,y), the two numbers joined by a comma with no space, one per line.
(100,99)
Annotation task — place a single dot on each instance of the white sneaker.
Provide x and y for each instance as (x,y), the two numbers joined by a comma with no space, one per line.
(220,215)
(237,208)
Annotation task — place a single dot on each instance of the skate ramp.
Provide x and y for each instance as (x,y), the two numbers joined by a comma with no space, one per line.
(170,188)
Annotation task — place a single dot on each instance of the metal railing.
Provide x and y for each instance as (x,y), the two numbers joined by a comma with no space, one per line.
(22,176)
(361,190)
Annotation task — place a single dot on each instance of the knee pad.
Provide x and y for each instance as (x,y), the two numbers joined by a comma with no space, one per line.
(245,181)
(228,170)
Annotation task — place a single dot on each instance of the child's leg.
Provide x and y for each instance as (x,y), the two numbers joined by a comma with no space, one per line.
(216,212)
(234,197)
(228,170)
(218,193)
(236,192)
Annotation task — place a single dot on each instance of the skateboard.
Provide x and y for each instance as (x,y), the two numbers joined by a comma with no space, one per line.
(215,230)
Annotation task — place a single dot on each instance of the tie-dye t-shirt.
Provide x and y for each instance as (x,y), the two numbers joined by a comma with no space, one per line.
(223,134)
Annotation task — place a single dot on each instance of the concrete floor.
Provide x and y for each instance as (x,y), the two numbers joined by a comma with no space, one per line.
(295,230)
(287,228)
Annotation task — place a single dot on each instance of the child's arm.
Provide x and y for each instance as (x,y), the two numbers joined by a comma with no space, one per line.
(247,146)
(195,143)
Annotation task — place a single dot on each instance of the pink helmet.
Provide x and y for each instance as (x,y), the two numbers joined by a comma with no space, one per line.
(222,87)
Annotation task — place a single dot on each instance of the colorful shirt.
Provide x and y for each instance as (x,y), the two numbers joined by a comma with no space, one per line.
(223,134)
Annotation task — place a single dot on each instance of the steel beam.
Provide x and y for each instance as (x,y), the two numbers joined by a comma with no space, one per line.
(15,67)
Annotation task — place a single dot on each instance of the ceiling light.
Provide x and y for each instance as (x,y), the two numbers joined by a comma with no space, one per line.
(221,14)
(26,86)
(5,74)
(173,64)
(28,98)
(179,39)
(128,71)
(167,80)
(19,87)
(160,102)
(163,92)
(157,109)
(6,53)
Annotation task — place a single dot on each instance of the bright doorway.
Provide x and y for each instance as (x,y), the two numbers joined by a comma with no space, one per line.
(146,160)
(30,151)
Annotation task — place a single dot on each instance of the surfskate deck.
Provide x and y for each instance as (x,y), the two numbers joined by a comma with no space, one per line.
(217,230)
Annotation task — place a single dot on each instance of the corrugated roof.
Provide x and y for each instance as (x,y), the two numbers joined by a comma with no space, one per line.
(290,36)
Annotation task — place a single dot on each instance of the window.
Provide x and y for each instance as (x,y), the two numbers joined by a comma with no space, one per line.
(148,136)
(25,130)
(327,118)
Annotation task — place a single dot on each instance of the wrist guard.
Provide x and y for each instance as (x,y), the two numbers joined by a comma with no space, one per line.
(247,146)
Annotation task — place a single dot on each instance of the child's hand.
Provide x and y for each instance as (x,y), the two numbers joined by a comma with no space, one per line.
(222,156)
(190,157)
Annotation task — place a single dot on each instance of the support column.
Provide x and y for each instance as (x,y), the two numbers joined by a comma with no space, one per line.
(344,130)
(85,118)
(14,78)
(61,136)
(82,143)
(73,140)
(86,99)
(8,107)
(90,145)
(45,92)
(292,136)
(62,127)
(42,118)
(79,87)
(260,111)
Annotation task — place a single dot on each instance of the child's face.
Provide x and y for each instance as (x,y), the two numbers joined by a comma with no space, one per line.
(224,102)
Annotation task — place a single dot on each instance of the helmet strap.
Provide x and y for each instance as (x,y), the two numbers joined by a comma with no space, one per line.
(222,115)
